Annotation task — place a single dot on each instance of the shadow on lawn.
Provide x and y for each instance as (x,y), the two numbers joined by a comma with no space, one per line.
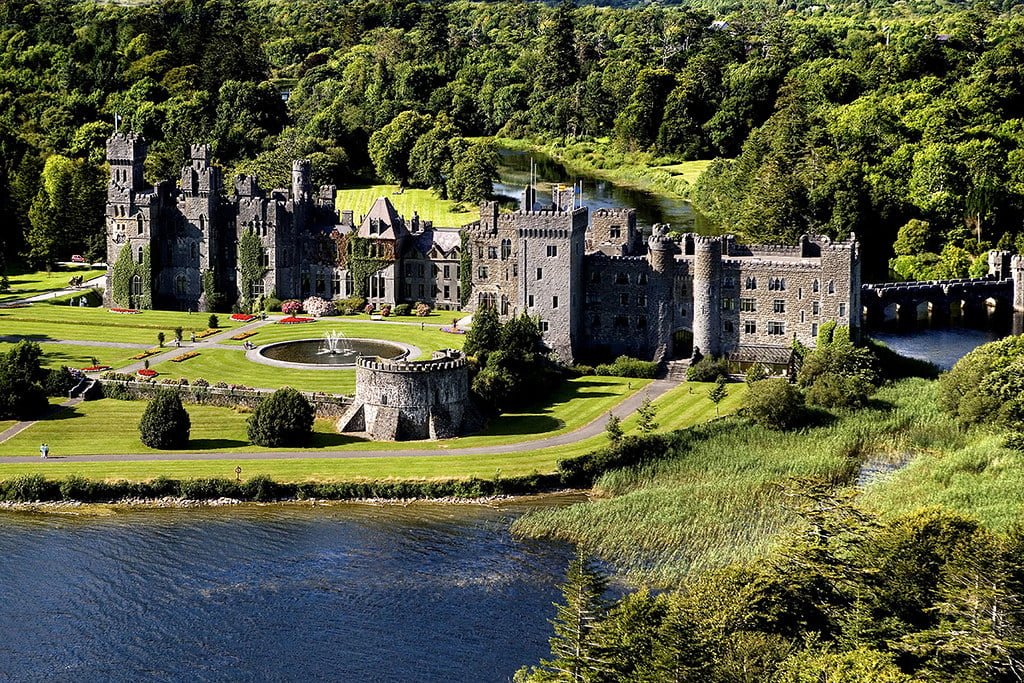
(212,444)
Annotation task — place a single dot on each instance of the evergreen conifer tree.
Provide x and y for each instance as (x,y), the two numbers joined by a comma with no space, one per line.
(576,655)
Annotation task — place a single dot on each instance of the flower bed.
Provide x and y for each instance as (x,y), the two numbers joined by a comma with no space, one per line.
(294,320)
(206,333)
(243,335)
(123,311)
(453,330)
(15,305)
(146,354)
(96,368)
(185,356)
(242,317)
(146,372)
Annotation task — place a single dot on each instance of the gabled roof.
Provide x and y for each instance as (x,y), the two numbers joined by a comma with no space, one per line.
(382,221)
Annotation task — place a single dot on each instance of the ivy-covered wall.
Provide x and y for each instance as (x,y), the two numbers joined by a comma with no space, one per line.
(363,257)
(250,266)
(125,269)
(465,271)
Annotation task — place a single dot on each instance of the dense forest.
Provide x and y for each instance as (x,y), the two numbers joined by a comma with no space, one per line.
(838,119)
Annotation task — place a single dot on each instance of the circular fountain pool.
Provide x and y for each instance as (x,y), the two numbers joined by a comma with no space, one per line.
(330,352)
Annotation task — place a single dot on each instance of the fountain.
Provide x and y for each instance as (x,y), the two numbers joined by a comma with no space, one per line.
(335,344)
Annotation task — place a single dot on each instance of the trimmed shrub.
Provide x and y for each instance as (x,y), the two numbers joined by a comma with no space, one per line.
(707,370)
(272,304)
(165,423)
(285,418)
(291,307)
(626,366)
(59,381)
(319,307)
(422,309)
(403,309)
(213,322)
(355,304)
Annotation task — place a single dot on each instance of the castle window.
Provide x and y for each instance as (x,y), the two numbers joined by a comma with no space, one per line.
(193,251)
(136,285)
(615,232)
(595,277)
(141,254)
(179,285)
(751,283)
(349,283)
(506,249)
(776,328)
(642,279)
(842,310)
(831,286)
(447,292)
(335,283)
(492,252)
(543,326)
(749,327)
(515,269)
(447,272)
(481,272)
(554,302)
(320,285)
(815,286)
(624,299)
(202,223)
(621,279)
(641,323)
(620,322)
(641,299)
(504,305)
(141,226)
(727,326)
(266,258)
(408,269)
(728,304)
(258,288)
(777,284)
(801,316)
(419,289)
(552,250)
(814,329)
(383,399)
(480,251)
(529,300)
(779,306)
(729,281)
(540,273)
(748,305)
(815,308)
(800,293)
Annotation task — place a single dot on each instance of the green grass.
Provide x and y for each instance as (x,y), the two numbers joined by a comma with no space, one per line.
(42,322)
(217,365)
(75,356)
(24,285)
(717,500)
(427,340)
(687,170)
(109,426)
(443,213)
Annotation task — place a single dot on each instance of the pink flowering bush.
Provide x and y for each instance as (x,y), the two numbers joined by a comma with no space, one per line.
(385,310)
(291,307)
(368,309)
(317,307)
(422,309)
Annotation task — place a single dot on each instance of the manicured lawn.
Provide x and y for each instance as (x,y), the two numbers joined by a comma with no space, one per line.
(43,321)
(31,284)
(427,340)
(688,404)
(217,365)
(687,170)
(75,356)
(444,214)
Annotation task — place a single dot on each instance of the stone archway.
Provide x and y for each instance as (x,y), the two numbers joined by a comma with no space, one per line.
(682,344)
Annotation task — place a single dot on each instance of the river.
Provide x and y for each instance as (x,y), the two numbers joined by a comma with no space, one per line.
(944,347)
(351,592)
(514,176)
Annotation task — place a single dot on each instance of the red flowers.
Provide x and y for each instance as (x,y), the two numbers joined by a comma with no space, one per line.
(242,317)
(96,368)
(293,320)
(146,372)
(122,310)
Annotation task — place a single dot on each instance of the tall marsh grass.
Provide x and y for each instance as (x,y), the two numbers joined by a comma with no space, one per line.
(716,498)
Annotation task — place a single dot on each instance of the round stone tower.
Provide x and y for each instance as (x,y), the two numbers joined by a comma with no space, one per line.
(661,249)
(707,294)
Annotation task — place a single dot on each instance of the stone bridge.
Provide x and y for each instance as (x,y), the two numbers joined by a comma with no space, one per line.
(997,296)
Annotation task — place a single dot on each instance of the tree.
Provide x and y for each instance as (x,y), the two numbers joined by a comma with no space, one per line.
(645,416)
(285,418)
(473,174)
(165,423)
(774,403)
(178,333)
(613,428)
(485,334)
(391,146)
(718,392)
(574,646)
(66,213)
(160,337)
(21,391)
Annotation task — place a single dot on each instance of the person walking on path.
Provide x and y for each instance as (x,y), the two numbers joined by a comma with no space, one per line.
(44,451)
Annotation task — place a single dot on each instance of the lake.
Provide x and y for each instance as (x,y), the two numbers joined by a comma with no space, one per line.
(944,347)
(351,592)
(514,176)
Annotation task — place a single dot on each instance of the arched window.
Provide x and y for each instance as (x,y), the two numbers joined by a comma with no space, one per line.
(141,253)
(831,286)
(193,250)
(179,285)
(140,224)
(815,286)
(506,249)
(136,285)
(202,223)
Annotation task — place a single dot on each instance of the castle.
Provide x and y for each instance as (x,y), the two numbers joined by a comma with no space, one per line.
(596,286)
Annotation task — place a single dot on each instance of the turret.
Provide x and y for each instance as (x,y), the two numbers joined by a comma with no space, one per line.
(661,249)
(126,153)
(707,304)
(302,186)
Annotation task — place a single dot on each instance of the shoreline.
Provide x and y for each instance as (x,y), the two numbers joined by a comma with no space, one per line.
(177,503)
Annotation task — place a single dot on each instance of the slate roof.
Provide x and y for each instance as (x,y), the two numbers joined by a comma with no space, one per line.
(383,217)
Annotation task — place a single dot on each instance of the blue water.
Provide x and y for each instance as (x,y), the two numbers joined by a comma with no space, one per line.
(349,593)
(944,347)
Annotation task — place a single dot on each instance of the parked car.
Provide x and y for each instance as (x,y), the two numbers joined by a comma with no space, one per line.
(78,258)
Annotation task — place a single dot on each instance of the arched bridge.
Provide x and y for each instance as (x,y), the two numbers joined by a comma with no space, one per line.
(939,301)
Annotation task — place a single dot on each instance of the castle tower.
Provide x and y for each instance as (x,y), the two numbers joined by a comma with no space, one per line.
(707,295)
(661,255)
(302,185)
(126,153)
(1017,273)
